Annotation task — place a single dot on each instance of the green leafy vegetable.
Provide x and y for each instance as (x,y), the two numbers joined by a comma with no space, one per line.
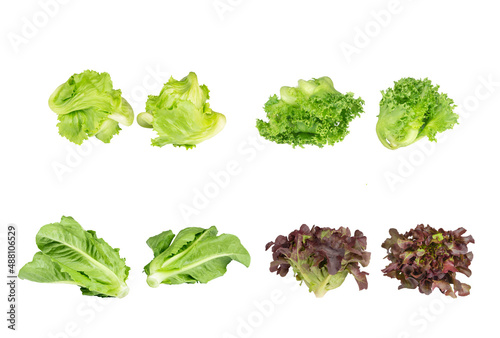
(321,257)
(413,109)
(428,258)
(195,255)
(313,113)
(87,105)
(181,115)
(69,254)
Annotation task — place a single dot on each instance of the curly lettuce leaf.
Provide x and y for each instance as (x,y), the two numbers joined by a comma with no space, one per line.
(427,258)
(69,254)
(87,105)
(313,113)
(195,255)
(412,110)
(321,257)
(181,115)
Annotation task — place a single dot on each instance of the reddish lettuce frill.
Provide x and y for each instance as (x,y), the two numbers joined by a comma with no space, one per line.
(321,257)
(428,258)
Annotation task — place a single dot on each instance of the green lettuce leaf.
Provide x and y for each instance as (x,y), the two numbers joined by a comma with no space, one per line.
(412,110)
(181,115)
(87,105)
(313,113)
(44,270)
(195,255)
(72,255)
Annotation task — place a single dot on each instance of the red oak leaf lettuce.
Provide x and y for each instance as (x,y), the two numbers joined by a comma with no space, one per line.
(321,257)
(428,258)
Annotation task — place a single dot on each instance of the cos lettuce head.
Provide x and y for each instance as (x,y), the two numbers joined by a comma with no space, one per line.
(87,105)
(181,115)
(195,255)
(71,255)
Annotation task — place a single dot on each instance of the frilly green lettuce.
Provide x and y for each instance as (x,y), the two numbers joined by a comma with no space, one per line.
(312,113)
(412,110)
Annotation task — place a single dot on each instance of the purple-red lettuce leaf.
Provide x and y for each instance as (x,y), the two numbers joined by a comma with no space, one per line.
(426,258)
(321,257)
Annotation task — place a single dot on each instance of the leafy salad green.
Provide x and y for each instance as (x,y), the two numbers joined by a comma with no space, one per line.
(195,255)
(321,257)
(313,113)
(412,110)
(70,255)
(87,105)
(181,115)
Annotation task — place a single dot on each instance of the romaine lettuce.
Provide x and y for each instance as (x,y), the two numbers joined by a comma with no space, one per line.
(69,254)
(195,255)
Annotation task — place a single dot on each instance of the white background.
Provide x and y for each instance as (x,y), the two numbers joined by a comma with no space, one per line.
(128,191)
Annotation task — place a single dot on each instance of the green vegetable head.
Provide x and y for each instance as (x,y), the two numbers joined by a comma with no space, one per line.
(70,255)
(412,110)
(181,115)
(87,105)
(313,113)
(196,255)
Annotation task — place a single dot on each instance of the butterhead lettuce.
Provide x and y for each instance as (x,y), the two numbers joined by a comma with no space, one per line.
(70,255)
(181,115)
(87,105)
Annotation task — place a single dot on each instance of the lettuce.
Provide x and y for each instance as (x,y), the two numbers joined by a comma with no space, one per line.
(412,110)
(70,255)
(195,255)
(321,257)
(87,105)
(313,113)
(428,258)
(181,115)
